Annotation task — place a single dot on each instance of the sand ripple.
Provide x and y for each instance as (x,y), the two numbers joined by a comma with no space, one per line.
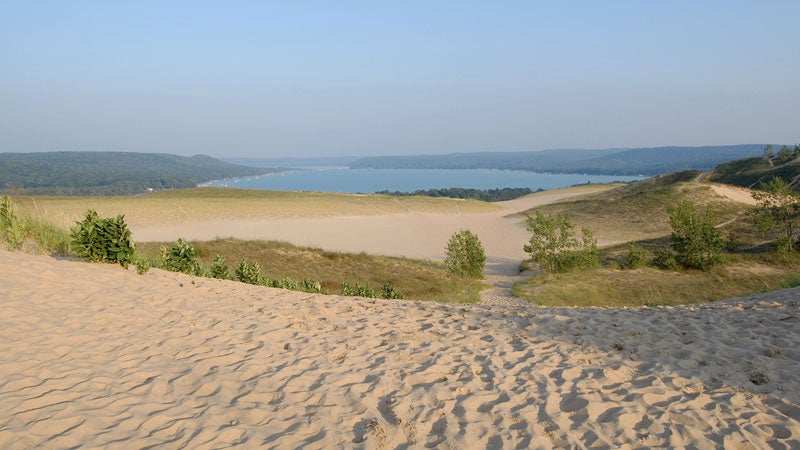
(96,356)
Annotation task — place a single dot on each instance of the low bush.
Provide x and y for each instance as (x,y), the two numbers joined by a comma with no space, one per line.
(249,273)
(181,257)
(389,292)
(219,269)
(98,239)
(358,290)
(636,257)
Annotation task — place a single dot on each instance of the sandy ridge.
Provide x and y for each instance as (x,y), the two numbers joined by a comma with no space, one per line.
(96,356)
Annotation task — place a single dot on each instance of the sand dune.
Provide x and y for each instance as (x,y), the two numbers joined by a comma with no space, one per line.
(97,356)
(413,234)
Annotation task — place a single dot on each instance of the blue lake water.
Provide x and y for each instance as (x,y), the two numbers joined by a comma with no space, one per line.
(367,181)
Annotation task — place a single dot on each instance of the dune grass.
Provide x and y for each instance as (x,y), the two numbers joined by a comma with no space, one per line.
(639,210)
(416,279)
(651,287)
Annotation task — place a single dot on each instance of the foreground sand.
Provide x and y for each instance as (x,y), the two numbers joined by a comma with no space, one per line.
(96,356)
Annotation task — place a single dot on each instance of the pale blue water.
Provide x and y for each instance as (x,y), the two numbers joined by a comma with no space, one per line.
(408,180)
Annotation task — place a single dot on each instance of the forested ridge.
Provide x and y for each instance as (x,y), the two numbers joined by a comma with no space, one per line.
(110,173)
(635,161)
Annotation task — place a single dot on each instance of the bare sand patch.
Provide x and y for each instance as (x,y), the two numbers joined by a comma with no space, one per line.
(735,193)
(97,356)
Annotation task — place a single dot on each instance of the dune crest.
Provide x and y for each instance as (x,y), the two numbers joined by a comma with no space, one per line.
(97,356)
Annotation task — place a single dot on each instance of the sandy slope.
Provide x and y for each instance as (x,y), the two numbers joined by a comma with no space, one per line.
(414,234)
(96,356)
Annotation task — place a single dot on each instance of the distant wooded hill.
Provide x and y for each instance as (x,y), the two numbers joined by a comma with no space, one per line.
(635,161)
(110,173)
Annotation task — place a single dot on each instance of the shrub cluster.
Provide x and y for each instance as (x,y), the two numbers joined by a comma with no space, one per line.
(181,257)
(553,244)
(99,239)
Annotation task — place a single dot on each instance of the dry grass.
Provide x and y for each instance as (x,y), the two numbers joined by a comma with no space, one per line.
(649,287)
(638,211)
(416,279)
(221,203)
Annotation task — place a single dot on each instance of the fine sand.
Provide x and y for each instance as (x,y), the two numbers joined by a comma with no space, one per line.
(98,356)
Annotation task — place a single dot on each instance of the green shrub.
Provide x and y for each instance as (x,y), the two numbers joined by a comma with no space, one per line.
(285,283)
(311,286)
(553,244)
(389,292)
(665,259)
(464,255)
(219,269)
(249,273)
(697,242)
(358,290)
(142,264)
(12,230)
(97,239)
(636,257)
(181,257)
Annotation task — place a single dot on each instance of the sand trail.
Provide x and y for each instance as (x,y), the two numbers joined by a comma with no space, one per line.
(97,356)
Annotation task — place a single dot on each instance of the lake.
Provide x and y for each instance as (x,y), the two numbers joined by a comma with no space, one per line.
(354,181)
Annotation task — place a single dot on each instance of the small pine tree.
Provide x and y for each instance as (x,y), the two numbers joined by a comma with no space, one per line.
(465,255)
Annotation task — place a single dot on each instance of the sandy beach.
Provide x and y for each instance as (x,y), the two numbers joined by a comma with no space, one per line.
(98,356)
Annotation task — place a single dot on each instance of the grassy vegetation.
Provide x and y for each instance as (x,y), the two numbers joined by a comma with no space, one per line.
(743,275)
(640,210)
(751,172)
(752,264)
(417,280)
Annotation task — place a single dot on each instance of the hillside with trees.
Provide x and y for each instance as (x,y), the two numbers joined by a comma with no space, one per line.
(782,163)
(635,161)
(110,173)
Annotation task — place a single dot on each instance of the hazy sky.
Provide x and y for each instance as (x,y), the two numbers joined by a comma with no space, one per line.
(258,78)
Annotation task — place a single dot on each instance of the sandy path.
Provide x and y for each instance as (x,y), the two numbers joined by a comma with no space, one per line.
(96,356)
(416,235)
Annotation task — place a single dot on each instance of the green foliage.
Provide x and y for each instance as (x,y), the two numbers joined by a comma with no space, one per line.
(284,283)
(778,209)
(142,264)
(389,292)
(696,241)
(553,244)
(636,257)
(312,286)
(181,257)
(665,259)
(464,255)
(12,230)
(97,239)
(249,273)
(358,290)
(490,195)
(219,269)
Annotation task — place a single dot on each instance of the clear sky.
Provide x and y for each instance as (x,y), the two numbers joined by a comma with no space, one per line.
(299,78)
